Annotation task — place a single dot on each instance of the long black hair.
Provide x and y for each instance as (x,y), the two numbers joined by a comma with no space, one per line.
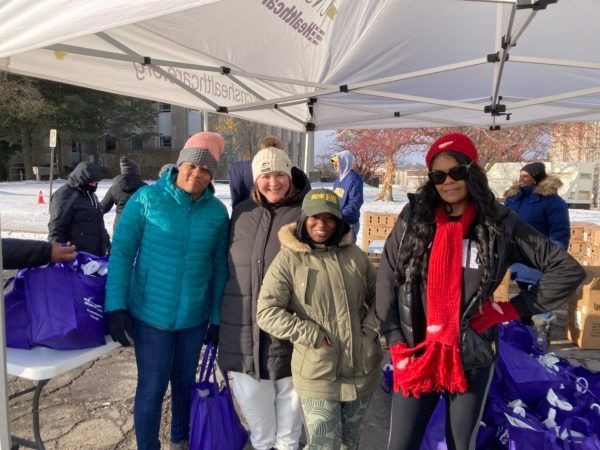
(412,260)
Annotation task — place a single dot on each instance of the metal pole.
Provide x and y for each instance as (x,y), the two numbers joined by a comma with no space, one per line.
(309,152)
(52,145)
(51,170)
(4,417)
(204,121)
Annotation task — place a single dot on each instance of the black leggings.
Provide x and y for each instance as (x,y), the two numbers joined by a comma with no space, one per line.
(411,415)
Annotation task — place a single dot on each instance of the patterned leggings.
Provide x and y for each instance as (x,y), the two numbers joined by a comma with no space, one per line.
(333,425)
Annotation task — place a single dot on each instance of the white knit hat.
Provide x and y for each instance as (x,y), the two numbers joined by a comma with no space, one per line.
(271,159)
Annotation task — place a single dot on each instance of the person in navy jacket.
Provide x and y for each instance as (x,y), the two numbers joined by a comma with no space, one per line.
(349,187)
(534,198)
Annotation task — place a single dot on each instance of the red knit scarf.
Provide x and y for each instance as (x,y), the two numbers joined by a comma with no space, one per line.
(439,367)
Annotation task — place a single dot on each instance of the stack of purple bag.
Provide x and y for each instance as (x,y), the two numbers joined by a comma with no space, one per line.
(536,401)
(59,306)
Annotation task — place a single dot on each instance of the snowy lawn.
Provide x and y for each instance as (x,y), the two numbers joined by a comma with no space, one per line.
(21,216)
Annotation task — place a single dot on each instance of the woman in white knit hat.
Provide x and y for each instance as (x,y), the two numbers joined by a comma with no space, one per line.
(260,363)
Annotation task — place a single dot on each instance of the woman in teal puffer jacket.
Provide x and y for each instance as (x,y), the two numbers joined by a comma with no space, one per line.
(167,271)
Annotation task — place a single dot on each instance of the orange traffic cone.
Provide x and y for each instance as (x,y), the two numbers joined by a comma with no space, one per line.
(40,198)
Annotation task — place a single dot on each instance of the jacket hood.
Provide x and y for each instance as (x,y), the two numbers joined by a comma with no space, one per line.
(548,186)
(128,183)
(345,162)
(301,183)
(128,166)
(84,173)
(288,239)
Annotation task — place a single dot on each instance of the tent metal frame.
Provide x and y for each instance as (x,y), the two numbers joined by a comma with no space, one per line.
(506,37)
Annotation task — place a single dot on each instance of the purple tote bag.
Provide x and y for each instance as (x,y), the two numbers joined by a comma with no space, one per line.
(15,310)
(65,307)
(214,423)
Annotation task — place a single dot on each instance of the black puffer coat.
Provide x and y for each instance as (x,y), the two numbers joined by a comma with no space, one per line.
(75,213)
(23,253)
(243,347)
(121,190)
(402,310)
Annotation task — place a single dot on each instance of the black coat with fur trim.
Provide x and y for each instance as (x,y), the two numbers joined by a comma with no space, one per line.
(253,244)
(541,207)
(402,310)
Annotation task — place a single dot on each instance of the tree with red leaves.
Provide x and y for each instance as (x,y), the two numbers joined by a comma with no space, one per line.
(376,148)
(384,148)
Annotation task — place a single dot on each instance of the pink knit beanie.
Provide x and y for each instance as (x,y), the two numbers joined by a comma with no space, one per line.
(203,149)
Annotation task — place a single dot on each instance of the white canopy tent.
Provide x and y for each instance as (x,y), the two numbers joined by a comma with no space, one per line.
(311,65)
(323,64)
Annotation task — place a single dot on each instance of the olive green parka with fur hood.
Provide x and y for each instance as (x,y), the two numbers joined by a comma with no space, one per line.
(309,294)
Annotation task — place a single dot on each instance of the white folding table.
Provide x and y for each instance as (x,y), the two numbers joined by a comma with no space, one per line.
(41,364)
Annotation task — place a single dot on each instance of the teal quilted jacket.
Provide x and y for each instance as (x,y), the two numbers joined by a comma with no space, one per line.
(168,261)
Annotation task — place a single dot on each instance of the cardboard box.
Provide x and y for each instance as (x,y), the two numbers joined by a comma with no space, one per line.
(584,311)
(594,238)
(502,294)
(379,219)
(376,226)
(578,230)
(577,248)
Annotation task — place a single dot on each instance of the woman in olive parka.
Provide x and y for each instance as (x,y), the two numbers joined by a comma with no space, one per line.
(319,293)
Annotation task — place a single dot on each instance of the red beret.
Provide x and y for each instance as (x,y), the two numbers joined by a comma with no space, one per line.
(456,142)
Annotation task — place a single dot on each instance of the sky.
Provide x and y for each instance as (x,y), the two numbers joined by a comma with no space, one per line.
(21,216)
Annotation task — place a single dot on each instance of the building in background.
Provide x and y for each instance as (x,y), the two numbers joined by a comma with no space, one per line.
(159,144)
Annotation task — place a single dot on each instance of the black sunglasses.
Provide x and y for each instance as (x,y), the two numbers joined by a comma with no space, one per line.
(456,173)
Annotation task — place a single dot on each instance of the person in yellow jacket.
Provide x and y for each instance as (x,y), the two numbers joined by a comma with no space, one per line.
(319,293)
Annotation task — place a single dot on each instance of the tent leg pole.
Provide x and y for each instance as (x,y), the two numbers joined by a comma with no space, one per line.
(4,417)
(309,152)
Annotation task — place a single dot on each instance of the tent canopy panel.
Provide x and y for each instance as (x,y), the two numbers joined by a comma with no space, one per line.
(424,59)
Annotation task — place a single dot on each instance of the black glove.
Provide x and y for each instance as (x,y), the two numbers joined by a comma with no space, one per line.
(212,335)
(120,327)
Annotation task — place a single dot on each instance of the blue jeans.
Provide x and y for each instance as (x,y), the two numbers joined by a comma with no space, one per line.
(163,356)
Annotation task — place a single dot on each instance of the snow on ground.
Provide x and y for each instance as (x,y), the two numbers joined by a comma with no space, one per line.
(22,217)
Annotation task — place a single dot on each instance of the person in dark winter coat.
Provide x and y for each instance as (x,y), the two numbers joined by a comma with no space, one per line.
(24,253)
(260,364)
(240,173)
(534,198)
(349,187)
(123,187)
(76,214)
(445,256)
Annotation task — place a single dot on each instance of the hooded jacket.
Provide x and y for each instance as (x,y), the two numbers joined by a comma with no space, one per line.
(541,207)
(253,244)
(168,263)
(76,214)
(402,309)
(309,294)
(122,188)
(349,188)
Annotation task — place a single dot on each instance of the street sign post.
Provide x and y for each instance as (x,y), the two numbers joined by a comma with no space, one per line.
(52,145)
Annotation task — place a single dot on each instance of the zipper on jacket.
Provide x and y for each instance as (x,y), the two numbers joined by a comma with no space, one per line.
(181,268)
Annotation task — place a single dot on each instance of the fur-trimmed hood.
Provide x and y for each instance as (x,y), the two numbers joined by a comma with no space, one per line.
(288,239)
(548,186)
